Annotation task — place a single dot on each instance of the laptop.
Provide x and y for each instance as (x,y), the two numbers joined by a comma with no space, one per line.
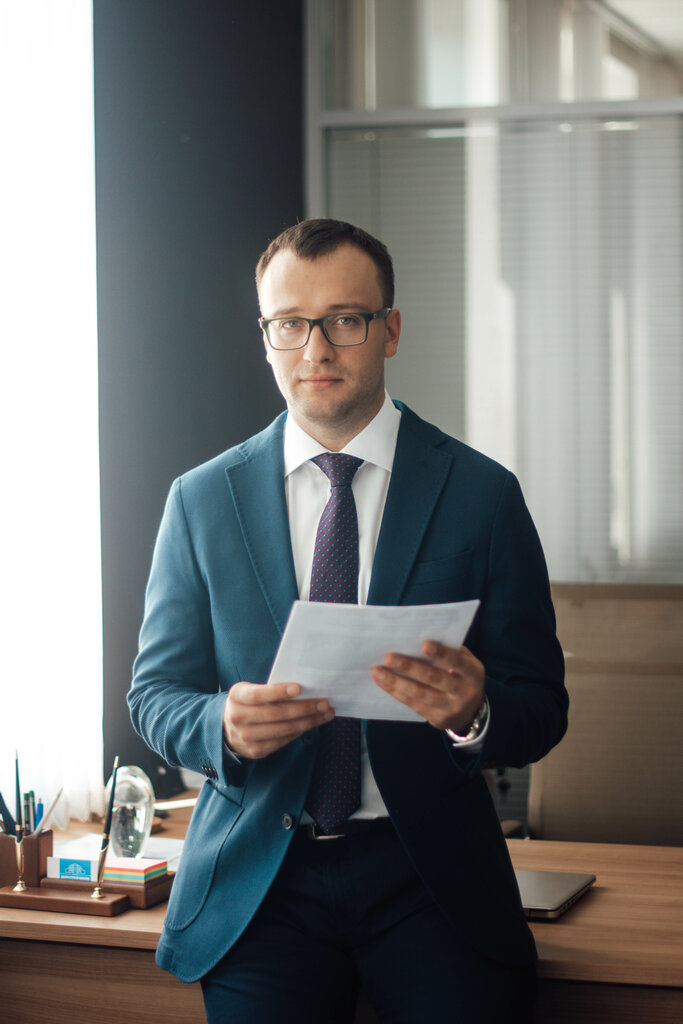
(548,894)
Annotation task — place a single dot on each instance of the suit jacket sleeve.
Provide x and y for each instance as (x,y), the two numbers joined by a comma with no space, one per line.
(514,636)
(176,700)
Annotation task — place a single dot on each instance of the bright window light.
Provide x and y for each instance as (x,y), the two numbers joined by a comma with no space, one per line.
(52,618)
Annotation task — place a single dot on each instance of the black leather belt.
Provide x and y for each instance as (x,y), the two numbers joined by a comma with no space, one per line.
(347,829)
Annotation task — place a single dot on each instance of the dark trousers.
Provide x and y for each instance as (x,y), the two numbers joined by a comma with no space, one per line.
(352,912)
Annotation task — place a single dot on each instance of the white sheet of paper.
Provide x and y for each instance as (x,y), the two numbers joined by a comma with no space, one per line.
(330,648)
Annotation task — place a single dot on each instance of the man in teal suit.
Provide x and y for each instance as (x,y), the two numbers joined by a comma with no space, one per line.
(413,896)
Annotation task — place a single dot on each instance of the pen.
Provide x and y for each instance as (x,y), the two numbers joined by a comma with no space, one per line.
(97,894)
(45,821)
(29,812)
(19,808)
(39,811)
(7,819)
(110,808)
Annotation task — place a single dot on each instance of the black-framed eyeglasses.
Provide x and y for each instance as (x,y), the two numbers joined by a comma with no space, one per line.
(289,332)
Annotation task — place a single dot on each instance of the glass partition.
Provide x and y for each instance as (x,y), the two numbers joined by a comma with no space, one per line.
(523,161)
(380,54)
(539,268)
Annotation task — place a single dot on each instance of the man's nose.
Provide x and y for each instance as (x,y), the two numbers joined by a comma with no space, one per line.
(318,348)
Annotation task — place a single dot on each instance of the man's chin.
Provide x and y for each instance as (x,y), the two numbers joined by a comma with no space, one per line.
(335,409)
(323,407)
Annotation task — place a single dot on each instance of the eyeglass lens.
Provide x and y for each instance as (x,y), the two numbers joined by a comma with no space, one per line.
(340,328)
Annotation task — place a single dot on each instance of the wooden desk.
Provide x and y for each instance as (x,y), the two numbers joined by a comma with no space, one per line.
(72,969)
(617,956)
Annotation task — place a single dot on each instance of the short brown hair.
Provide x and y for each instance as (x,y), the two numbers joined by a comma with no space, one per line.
(322,235)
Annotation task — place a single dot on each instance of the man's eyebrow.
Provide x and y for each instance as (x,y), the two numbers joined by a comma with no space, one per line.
(337,307)
(349,307)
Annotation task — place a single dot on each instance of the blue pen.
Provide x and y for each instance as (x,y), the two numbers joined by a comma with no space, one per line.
(39,811)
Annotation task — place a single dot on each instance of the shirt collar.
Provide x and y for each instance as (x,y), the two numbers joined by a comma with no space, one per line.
(375,443)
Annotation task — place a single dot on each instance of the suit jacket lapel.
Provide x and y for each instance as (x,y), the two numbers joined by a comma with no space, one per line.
(419,473)
(256,481)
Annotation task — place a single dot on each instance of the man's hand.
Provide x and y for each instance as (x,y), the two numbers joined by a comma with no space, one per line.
(257,720)
(446,688)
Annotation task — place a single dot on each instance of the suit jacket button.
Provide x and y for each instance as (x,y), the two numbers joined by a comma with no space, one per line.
(287,821)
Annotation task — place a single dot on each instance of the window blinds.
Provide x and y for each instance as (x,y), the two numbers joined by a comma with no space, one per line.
(539,270)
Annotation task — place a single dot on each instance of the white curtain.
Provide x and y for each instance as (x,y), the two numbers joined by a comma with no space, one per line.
(51,622)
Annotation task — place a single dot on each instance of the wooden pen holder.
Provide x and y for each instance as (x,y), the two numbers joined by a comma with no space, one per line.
(37,848)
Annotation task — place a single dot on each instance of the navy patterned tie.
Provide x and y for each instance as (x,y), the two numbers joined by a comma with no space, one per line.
(335,790)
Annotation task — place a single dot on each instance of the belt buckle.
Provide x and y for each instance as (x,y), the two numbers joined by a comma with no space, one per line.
(314,834)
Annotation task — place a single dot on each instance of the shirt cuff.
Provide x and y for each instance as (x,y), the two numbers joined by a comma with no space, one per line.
(231,756)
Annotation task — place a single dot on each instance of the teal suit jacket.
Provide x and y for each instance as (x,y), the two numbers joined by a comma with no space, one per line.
(455,527)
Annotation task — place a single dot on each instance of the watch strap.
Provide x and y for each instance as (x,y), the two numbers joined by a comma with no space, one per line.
(476,726)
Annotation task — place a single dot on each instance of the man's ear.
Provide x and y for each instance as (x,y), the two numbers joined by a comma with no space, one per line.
(392,333)
(266,346)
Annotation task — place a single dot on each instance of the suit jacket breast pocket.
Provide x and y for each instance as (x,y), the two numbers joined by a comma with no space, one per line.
(439,580)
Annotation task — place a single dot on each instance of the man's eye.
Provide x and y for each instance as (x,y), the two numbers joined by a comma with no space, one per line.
(289,325)
(346,320)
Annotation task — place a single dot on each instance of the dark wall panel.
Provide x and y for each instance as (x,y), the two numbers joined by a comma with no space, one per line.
(198,129)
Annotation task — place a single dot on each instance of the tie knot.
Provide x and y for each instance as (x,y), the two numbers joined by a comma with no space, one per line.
(337,467)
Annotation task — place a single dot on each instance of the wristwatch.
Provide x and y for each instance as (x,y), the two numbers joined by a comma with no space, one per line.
(476,726)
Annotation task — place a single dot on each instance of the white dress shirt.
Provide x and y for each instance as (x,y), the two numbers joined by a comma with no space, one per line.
(307,491)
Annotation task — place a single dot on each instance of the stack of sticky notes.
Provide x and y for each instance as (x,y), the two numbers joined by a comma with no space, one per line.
(123,870)
(134,870)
